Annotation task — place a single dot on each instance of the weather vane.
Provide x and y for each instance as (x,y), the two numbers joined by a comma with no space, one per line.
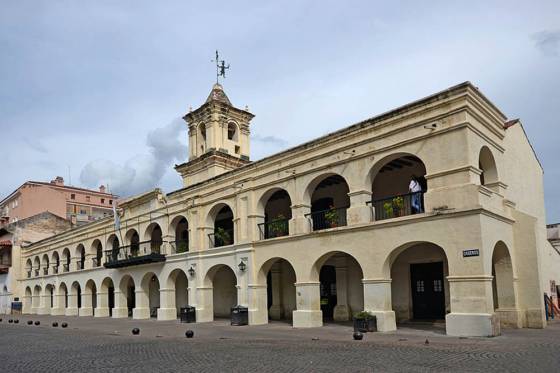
(220,67)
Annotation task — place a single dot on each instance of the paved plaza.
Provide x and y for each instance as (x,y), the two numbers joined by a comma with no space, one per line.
(103,345)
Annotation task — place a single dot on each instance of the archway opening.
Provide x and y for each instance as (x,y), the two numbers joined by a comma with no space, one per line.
(487,166)
(36,302)
(128,289)
(150,287)
(223,228)
(154,236)
(398,187)
(113,249)
(108,288)
(98,251)
(329,202)
(63,290)
(91,293)
(66,260)
(37,266)
(133,240)
(280,289)
(49,302)
(28,268)
(341,290)
(419,287)
(232,131)
(76,299)
(27,300)
(81,250)
(224,293)
(178,281)
(277,215)
(505,303)
(180,226)
(46,264)
(55,262)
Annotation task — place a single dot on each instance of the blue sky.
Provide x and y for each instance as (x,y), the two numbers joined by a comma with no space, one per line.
(95,89)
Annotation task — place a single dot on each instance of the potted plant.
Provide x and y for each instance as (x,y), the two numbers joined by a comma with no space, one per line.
(388,208)
(222,237)
(398,204)
(331,217)
(364,322)
(277,226)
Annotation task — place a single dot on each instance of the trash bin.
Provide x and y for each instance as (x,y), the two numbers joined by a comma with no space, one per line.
(188,314)
(239,316)
(16,308)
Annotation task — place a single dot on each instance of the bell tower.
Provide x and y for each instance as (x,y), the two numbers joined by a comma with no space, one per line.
(218,138)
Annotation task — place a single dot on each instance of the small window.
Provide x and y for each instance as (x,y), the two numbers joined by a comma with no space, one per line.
(72,196)
(237,149)
(110,201)
(438,286)
(102,200)
(420,286)
(232,131)
(88,198)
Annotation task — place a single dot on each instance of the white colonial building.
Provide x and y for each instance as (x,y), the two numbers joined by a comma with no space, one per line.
(323,230)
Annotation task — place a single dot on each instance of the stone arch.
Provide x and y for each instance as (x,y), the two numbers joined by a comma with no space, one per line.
(221,281)
(90,296)
(178,282)
(220,218)
(55,260)
(275,207)
(113,248)
(75,298)
(46,263)
(391,179)
(27,300)
(327,194)
(233,131)
(180,228)
(96,251)
(279,276)
(127,289)
(28,267)
(503,285)
(66,259)
(341,289)
(63,292)
(81,255)
(49,296)
(201,131)
(487,164)
(36,299)
(37,265)
(107,295)
(150,295)
(132,239)
(154,234)
(417,274)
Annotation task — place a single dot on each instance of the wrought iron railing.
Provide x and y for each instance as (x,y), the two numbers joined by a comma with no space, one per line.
(131,252)
(400,205)
(326,219)
(274,228)
(179,246)
(221,237)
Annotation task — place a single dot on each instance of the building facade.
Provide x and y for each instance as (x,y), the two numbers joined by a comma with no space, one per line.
(78,205)
(434,210)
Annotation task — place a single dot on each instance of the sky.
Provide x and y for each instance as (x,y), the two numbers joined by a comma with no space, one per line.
(94,91)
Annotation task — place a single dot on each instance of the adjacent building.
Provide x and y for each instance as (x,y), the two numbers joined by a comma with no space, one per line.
(78,205)
(432,211)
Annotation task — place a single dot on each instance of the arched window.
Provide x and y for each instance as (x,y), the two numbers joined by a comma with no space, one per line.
(232,131)
(487,166)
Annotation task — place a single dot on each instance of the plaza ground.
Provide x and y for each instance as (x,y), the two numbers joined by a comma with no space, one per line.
(104,345)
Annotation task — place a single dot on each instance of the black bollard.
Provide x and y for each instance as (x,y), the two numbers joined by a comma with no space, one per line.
(54,324)
(16,321)
(135,331)
(10,321)
(189,334)
(29,322)
(64,325)
(358,336)
(37,323)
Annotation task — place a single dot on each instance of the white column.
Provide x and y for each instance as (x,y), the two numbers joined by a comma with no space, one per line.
(308,300)
(359,212)
(167,309)
(72,309)
(299,224)
(102,309)
(205,304)
(142,310)
(58,304)
(341,311)
(120,310)
(258,314)
(377,300)
(276,309)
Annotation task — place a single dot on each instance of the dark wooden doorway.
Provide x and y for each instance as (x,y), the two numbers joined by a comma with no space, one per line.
(428,295)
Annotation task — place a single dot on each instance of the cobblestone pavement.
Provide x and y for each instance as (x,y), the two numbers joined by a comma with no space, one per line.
(103,345)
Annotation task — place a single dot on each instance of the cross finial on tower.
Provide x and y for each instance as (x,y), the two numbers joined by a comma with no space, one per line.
(220,67)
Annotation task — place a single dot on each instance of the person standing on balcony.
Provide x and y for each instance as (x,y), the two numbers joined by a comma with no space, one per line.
(414,188)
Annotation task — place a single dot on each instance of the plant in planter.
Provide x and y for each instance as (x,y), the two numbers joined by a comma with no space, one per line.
(364,322)
(398,204)
(182,247)
(388,208)
(222,237)
(331,217)
(277,226)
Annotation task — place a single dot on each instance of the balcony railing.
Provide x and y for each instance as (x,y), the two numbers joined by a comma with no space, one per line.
(220,238)
(135,254)
(96,262)
(80,265)
(36,273)
(45,271)
(396,206)
(28,274)
(274,228)
(326,219)
(65,267)
(179,246)
(55,269)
